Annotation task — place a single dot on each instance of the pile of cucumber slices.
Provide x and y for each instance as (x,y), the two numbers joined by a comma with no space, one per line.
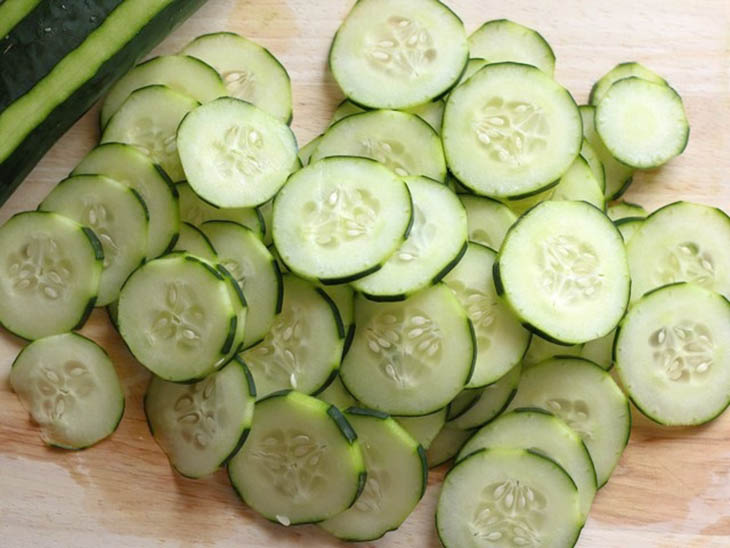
(444,273)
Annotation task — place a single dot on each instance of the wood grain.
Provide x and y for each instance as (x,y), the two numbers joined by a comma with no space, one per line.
(672,487)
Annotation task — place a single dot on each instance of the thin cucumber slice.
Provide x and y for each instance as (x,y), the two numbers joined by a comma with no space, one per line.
(446,445)
(435,244)
(344,109)
(491,402)
(129,166)
(177,318)
(542,432)
(487,220)
(619,72)
(195,242)
(643,124)
(340,219)
(179,72)
(266,214)
(618,176)
(463,402)
(590,155)
(51,269)
(303,348)
(398,53)
(591,404)
(240,307)
(254,269)
(515,497)
(404,142)
(305,153)
(563,270)
(432,113)
(579,183)
(510,131)
(628,227)
(681,242)
(249,71)
(472,67)
(623,209)
(196,211)
(504,40)
(600,351)
(541,349)
(424,429)
(396,479)
(301,463)
(200,426)
(148,119)
(343,297)
(235,154)
(69,386)
(672,354)
(117,215)
(410,357)
(500,338)
(336,394)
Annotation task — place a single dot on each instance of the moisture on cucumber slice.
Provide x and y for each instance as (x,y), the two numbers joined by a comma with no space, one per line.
(301,463)
(249,71)
(510,131)
(410,357)
(398,53)
(148,119)
(487,220)
(129,166)
(195,242)
(643,124)
(508,497)
(51,269)
(672,354)
(432,113)
(628,226)
(623,209)
(619,72)
(424,429)
(563,270)
(340,219)
(587,399)
(337,395)
(305,152)
(396,478)
(117,215)
(503,40)
(491,402)
(579,183)
(403,142)
(179,72)
(303,348)
(196,211)
(446,445)
(590,155)
(200,426)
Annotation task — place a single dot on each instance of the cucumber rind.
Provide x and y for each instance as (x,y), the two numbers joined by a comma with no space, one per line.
(631,68)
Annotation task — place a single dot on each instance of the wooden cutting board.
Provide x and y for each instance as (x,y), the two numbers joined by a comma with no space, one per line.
(672,487)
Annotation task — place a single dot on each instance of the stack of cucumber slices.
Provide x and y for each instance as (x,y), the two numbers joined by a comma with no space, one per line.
(443,274)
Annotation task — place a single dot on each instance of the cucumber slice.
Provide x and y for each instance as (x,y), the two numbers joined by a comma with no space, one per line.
(600,351)
(266,214)
(344,109)
(672,354)
(200,426)
(179,72)
(563,270)
(340,219)
(177,318)
(590,403)
(590,155)
(628,227)
(301,463)
(541,349)
(472,67)
(398,53)
(446,445)
(398,361)
(235,154)
(148,119)
(487,220)
(513,497)
(500,338)
(432,113)
(681,242)
(129,166)
(305,153)
(195,242)
(303,348)
(503,40)
(196,211)
(623,209)
(51,269)
(117,215)
(396,479)
(70,388)
(424,429)
(491,402)
(435,244)
(466,399)
(404,142)
(544,433)
(240,307)
(579,183)
(336,394)
(249,71)
(643,124)
(510,131)
(619,72)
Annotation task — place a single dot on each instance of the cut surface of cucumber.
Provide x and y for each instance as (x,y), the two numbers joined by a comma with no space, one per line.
(117,215)
(396,478)
(488,220)
(619,72)
(432,113)
(600,351)
(446,445)
(503,40)
(563,270)
(463,402)
(196,211)
(199,426)
(590,155)
(623,209)
(301,463)
(541,349)
(340,219)
(410,357)
(510,131)
(195,242)
(472,67)
(51,269)
(424,429)
(508,497)
(628,227)
(672,354)
(398,53)
(305,153)
(579,183)
(337,395)
(344,109)
(69,386)
(492,400)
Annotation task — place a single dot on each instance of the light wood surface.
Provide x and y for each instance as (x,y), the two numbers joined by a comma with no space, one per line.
(672,487)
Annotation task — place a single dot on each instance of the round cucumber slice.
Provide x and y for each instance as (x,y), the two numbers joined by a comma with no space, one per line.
(472,67)
(336,394)
(424,429)
(623,209)
(194,241)
(492,400)
(628,227)
(432,113)
(619,72)
(446,445)
(541,349)
(464,401)
(487,220)
(70,388)
(196,211)
(344,109)
(579,183)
